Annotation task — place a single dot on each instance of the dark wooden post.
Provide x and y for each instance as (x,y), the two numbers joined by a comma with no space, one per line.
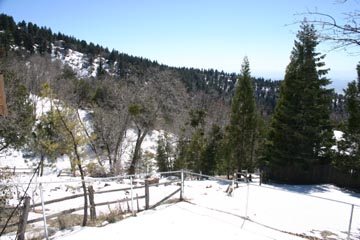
(127,204)
(3,107)
(182,185)
(23,221)
(147,197)
(137,202)
(92,203)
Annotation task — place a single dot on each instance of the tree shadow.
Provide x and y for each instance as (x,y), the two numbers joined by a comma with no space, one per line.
(310,189)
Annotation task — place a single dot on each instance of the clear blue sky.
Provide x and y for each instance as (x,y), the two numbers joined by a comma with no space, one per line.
(193,33)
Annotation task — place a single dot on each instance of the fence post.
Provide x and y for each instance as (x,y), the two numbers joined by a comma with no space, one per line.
(233,184)
(43,211)
(182,185)
(132,196)
(147,197)
(247,200)
(23,221)
(351,217)
(137,202)
(92,203)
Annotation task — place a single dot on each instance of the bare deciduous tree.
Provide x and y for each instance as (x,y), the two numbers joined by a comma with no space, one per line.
(345,32)
(110,124)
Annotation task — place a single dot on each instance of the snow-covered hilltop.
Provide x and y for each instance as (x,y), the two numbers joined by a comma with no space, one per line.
(79,62)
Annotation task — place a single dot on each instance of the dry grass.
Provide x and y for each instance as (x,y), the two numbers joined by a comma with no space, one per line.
(66,221)
(114,215)
(4,215)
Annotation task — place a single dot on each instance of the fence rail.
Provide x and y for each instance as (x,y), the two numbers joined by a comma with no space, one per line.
(16,170)
(23,221)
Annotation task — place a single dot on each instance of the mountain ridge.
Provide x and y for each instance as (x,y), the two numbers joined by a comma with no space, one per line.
(92,60)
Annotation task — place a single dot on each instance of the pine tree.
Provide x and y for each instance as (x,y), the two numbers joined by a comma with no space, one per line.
(16,127)
(300,134)
(212,150)
(242,128)
(164,154)
(190,151)
(348,157)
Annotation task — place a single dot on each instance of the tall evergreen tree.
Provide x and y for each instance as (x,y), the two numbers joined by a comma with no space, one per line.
(348,158)
(300,134)
(242,128)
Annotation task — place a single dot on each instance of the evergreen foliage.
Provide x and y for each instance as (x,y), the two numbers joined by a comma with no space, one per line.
(16,127)
(190,151)
(212,151)
(300,134)
(348,155)
(164,154)
(243,122)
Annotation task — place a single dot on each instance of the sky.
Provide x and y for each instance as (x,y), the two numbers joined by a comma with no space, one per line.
(204,34)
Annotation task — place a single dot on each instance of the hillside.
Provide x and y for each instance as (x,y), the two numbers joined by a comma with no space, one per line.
(92,60)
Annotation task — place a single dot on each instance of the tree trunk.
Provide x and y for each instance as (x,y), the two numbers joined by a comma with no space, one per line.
(120,140)
(136,156)
(42,158)
(109,155)
(83,185)
(78,163)
(72,166)
(91,143)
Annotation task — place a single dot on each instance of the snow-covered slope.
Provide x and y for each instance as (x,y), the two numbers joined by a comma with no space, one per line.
(79,62)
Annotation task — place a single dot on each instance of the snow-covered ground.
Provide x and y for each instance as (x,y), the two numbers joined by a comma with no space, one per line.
(270,211)
(252,212)
(179,221)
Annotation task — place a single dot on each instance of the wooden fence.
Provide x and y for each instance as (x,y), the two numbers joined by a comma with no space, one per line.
(16,170)
(23,219)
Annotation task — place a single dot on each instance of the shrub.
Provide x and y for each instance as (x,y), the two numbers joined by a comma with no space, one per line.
(95,170)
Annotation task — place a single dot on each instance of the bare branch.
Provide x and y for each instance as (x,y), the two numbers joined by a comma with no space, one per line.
(344,33)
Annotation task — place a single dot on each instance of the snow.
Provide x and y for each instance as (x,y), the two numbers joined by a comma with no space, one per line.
(338,135)
(270,211)
(79,62)
(179,221)
(274,211)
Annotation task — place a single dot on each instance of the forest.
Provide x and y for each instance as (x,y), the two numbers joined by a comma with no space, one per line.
(214,122)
